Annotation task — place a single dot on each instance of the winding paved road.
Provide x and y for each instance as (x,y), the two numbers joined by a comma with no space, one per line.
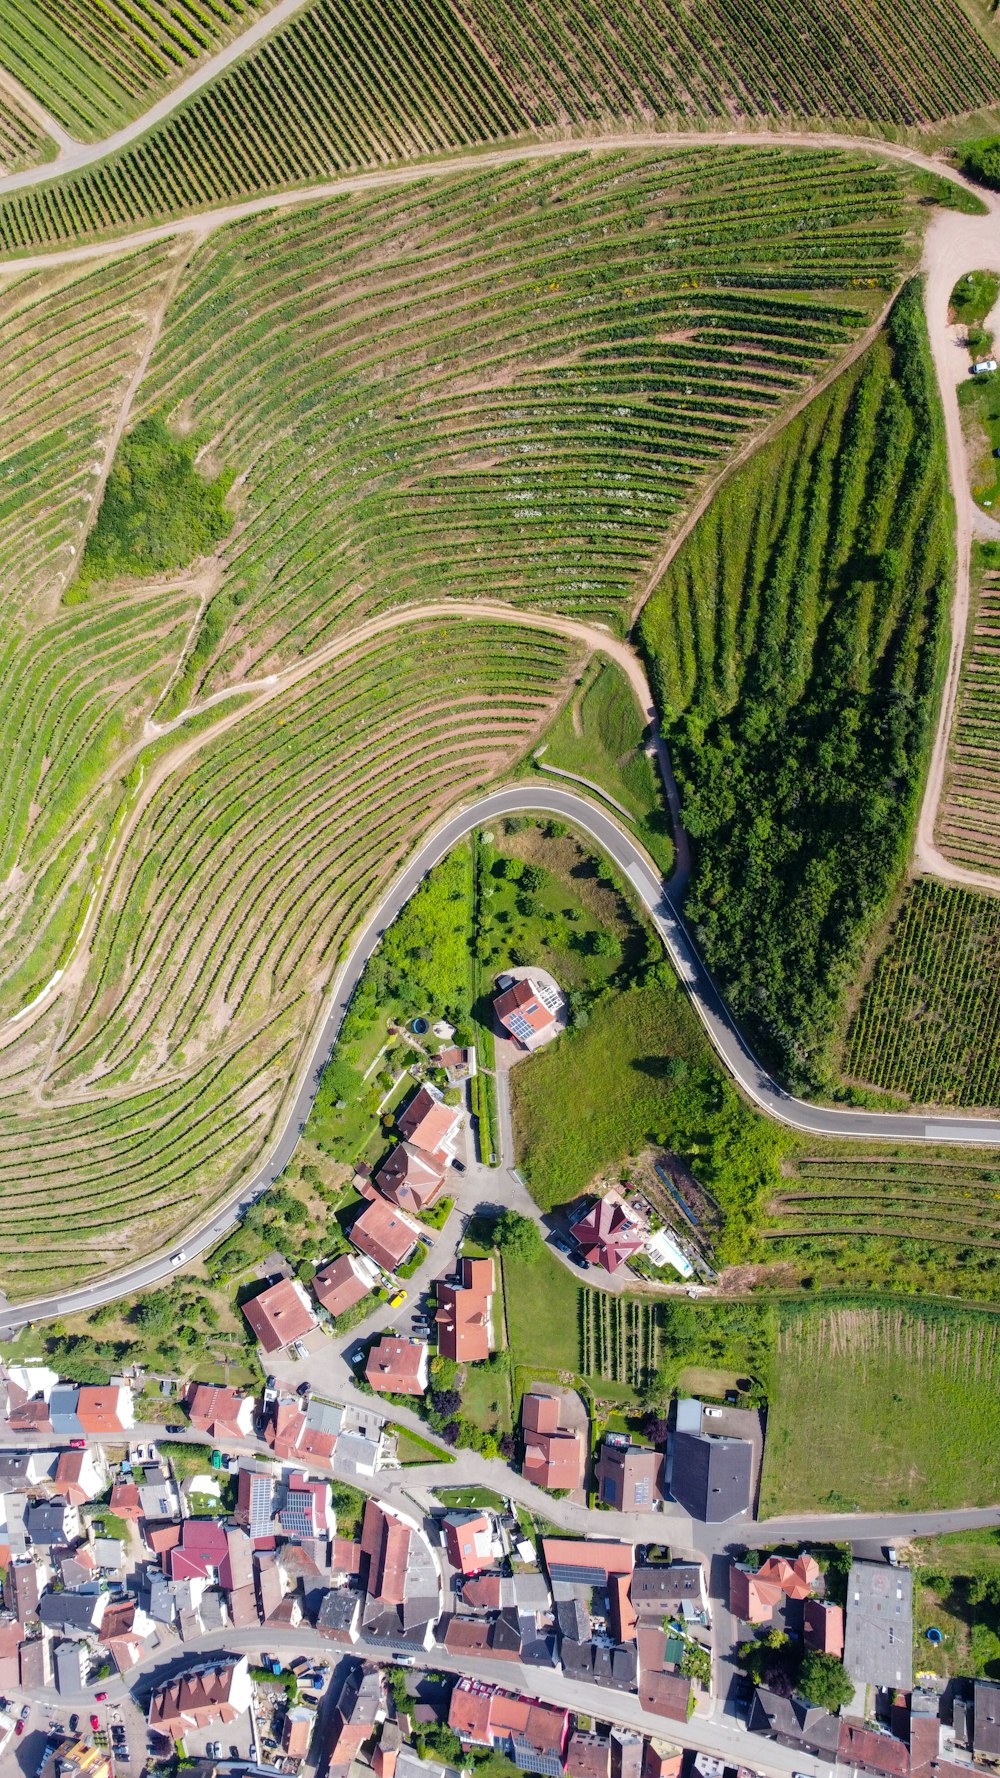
(816,1120)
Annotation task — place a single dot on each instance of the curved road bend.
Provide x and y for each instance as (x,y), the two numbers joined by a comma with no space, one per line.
(816,1120)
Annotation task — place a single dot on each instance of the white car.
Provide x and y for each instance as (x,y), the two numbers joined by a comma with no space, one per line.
(178,1258)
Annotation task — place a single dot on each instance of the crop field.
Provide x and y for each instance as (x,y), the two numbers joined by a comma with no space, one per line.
(795,645)
(572,63)
(96,63)
(504,385)
(876,1410)
(968,828)
(929,1022)
(912,1220)
(68,346)
(221,930)
(22,142)
(215,918)
(366,82)
(347,84)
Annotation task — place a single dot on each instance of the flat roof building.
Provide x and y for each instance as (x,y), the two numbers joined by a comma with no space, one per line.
(878,1646)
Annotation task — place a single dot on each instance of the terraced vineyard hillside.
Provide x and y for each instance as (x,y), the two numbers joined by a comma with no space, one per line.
(968,828)
(795,644)
(919,1221)
(96,63)
(222,928)
(572,63)
(361,84)
(503,385)
(929,1022)
(22,142)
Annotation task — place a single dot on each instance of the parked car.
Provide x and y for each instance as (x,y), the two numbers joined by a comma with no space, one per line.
(100,1697)
(400,1297)
(299,1349)
(561,1245)
(176,1429)
(25,1712)
(304,1388)
(357,1355)
(95,1721)
(78,1444)
(74,1724)
(19,1727)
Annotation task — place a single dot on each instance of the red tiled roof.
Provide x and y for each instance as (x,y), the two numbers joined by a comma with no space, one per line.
(752,1598)
(212,1408)
(397,1367)
(410,1177)
(623,1618)
(338,1286)
(100,1410)
(520,1005)
(125,1501)
(384,1233)
(427,1122)
(345,1556)
(665,1694)
(823,1627)
(467,1636)
(31,1416)
(463,1313)
(606,1236)
(859,1746)
(589,1552)
(280,1314)
(482,1592)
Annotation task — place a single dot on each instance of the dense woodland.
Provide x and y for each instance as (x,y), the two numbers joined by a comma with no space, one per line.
(795,648)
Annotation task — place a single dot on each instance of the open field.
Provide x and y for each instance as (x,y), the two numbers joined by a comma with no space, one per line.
(968,828)
(795,646)
(602,735)
(881,1409)
(929,1023)
(505,385)
(96,63)
(955,1588)
(903,1220)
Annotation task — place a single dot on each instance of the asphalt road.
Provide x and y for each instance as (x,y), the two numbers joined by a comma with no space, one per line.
(816,1120)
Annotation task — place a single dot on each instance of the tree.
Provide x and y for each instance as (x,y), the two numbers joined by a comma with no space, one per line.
(825,1681)
(696,1663)
(605,944)
(517,1235)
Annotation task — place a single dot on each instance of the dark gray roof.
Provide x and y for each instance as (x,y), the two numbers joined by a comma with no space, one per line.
(572,1619)
(665,1582)
(878,1643)
(67,1611)
(67,1666)
(616,1666)
(711,1476)
(986,1719)
(337,1609)
(794,1723)
(45,1521)
(360,1695)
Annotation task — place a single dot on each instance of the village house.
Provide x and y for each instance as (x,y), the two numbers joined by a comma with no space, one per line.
(410,1177)
(397,1366)
(280,1314)
(468,1540)
(385,1234)
(607,1235)
(220,1412)
(200,1697)
(629,1477)
(555,1456)
(464,1312)
(527,1010)
(430,1125)
(345,1282)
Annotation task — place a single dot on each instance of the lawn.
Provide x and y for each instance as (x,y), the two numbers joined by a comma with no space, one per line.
(882,1409)
(598,1095)
(543,1313)
(601,734)
(979,401)
(486,1398)
(471,1498)
(951,1572)
(411,1448)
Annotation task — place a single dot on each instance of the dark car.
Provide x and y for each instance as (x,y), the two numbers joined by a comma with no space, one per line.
(175,1429)
(74,1724)
(578,1260)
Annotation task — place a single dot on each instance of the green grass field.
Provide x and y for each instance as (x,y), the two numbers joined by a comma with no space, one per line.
(601,735)
(877,1410)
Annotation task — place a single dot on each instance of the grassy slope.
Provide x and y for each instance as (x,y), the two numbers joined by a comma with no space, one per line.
(601,735)
(883,1409)
(795,644)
